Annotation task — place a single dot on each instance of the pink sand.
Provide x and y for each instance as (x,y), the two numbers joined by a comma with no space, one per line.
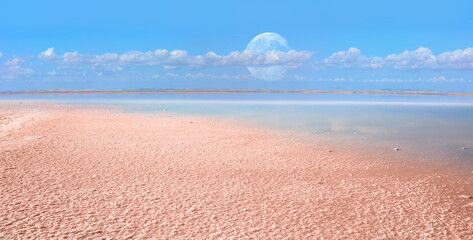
(91,173)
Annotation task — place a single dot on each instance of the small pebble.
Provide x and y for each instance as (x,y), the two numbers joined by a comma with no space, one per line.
(396,149)
(464,148)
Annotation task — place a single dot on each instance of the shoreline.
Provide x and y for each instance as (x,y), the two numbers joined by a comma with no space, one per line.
(125,174)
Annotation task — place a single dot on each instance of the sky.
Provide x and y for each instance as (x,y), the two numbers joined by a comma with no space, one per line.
(349,45)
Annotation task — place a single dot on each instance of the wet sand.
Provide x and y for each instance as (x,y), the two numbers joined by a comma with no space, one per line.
(88,172)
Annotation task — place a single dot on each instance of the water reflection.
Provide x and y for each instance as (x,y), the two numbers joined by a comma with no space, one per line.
(435,125)
(437,129)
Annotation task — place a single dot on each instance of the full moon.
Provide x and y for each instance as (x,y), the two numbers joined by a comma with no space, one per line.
(263,43)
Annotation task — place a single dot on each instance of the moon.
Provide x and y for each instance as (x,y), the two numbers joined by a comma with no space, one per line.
(263,43)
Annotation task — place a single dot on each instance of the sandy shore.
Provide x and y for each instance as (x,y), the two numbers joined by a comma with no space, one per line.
(78,172)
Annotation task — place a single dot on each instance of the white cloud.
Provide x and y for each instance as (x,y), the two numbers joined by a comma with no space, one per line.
(419,59)
(347,58)
(52,73)
(350,58)
(1,55)
(15,72)
(461,59)
(422,58)
(178,56)
(49,54)
(16,61)
(438,79)
(14,69)
(206,76)
(443,79)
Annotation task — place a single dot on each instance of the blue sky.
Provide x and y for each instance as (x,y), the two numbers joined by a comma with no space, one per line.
(418,45)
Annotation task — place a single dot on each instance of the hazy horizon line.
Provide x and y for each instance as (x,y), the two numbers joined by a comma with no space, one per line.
(231,91)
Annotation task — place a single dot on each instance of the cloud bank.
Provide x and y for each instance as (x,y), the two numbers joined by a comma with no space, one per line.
(169,64)
(114,62)
(419,59)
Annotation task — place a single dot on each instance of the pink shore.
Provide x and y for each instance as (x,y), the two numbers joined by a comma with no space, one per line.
(87,172)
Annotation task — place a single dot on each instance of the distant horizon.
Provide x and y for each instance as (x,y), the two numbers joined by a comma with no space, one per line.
(232,91)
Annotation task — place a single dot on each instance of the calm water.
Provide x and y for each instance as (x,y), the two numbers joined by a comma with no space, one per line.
(433,126)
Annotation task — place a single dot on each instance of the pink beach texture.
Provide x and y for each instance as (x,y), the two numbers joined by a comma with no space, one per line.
(90,173)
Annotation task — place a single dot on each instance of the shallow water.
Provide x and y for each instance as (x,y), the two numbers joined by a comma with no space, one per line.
(438,127)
